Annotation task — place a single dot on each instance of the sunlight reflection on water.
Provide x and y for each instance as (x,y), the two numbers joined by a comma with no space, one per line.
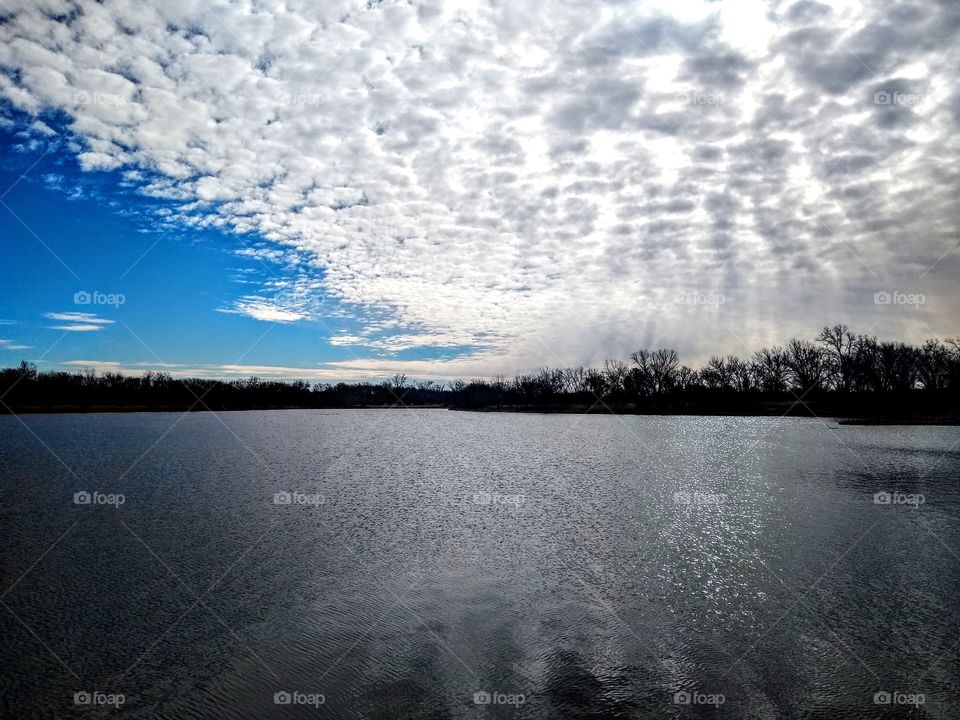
(597,566)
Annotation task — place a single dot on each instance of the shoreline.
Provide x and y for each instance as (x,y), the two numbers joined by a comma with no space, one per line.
(793,412)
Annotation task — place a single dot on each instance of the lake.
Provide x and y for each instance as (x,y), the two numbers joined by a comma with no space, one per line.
(438,564)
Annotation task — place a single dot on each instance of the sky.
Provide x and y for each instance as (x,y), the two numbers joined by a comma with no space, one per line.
(343,190)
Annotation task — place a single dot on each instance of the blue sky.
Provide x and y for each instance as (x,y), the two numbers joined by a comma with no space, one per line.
(455,189)
(68,232)
(86,250)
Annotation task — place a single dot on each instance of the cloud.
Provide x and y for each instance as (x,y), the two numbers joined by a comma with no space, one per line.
(347,340)
(77,328)
(531,183)
(11,345)
(264,310)
(78,321)
(100,366)
(330,372)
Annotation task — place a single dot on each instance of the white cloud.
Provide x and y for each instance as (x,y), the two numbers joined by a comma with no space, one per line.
(100,366)
(41,128)
(261,310)
(347,340)
(327,373)
(11,345)
(77,328)
(78,321)
(78,317)
(536,181)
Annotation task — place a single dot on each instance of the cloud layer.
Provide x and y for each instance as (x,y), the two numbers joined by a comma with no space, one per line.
(552,182)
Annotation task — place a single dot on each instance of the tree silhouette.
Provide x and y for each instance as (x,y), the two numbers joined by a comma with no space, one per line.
(841,373)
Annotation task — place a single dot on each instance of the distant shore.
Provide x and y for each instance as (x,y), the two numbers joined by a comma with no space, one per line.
(783,408)
(88,409)
(906,421)
(849,377)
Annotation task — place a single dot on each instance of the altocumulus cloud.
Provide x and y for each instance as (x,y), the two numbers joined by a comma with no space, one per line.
(539,182)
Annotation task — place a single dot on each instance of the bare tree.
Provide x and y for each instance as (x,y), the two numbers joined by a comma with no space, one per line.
(716,374)
(770,369)
(663,369)
(597,383)
(741,375)
(575,379)
(615,371)
(897,366)
(808,364)
(841,345)
(640,378)
(933,365)
(685,378)
(500,385)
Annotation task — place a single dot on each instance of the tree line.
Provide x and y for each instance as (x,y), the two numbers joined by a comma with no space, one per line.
(838,368)
(838,360)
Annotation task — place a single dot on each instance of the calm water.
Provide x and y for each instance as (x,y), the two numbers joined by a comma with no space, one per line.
(569,566)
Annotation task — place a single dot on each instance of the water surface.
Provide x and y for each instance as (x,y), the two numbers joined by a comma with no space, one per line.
(568,566)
